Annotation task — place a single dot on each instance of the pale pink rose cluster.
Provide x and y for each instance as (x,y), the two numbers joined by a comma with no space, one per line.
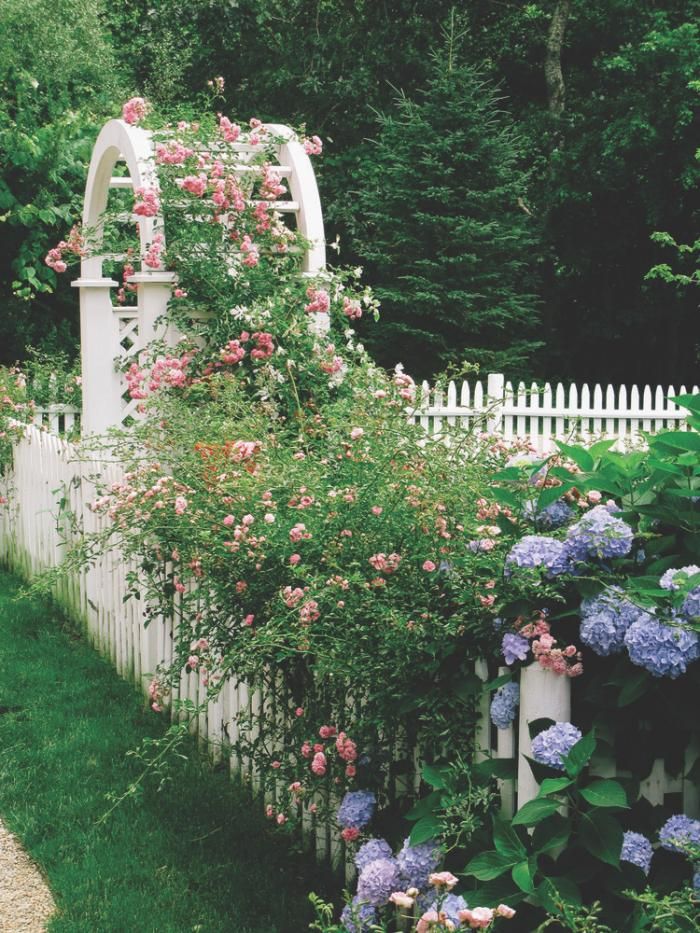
(134,110)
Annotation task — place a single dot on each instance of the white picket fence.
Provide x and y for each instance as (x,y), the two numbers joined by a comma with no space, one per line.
(33,536)
(63,420)
(539,413)
(542,413)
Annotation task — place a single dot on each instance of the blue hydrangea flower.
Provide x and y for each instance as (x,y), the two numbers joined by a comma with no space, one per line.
(669,580)
(664,650)
(691,604)
(450,906)
(551,516)
(356,808)
(503,705)
(599,535)
(637,849)
(358,917)
(371,850)
(605,620)
(553,745)
(416,863)
(378,880)
(537,552)
(514,647)
(679,832)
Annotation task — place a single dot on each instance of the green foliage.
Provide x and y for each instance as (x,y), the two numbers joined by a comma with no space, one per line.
(443,229)
(58,81)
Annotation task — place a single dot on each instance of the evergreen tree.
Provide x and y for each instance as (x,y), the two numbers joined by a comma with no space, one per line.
(447,237)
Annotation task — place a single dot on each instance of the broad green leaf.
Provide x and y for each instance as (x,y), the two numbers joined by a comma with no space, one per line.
(507,841)
(601,835)
(426,828)
(635,685)
(579,455)
(425,806)
(539,725)
(553,893)
(434,776)
(580,755)
(605,793)
(489,865)
(523,874)
(548,496)
(503,768)
(554,786)
(534,811)
(552,833)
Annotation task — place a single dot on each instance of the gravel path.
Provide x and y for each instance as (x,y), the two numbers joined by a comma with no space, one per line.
(25,901)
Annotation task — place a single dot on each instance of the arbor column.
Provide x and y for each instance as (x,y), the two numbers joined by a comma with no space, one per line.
(154,292)
(99,339)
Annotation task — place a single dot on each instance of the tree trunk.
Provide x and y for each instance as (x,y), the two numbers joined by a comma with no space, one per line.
(552,63)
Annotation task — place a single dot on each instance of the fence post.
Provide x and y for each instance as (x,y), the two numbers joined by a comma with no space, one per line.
(102,402)
(543,694)
(495,385)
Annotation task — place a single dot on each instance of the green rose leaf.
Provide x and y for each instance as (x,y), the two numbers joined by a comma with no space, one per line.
(534,811)
(605,793)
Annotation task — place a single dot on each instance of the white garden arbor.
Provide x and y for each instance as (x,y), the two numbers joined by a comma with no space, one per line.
(124,158)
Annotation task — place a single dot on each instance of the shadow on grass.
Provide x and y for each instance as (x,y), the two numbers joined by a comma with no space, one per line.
(198,856)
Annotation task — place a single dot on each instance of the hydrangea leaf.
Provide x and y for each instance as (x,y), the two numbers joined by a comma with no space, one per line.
(554,892)
(502,768)
(580,755)
(523,874)
(635,686)
(601,835)
(579,455)
(552,833)
(426,828)
(507,841)
(489,865)
(605,793)
(554,786)
(534,811)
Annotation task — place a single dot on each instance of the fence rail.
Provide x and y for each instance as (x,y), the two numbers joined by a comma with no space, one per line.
(63,420)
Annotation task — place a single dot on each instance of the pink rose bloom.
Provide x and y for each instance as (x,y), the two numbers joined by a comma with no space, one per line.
(134,110)
(503,910)
(350,834)
(276,765)
(313,807)
(299,711)
(478,919)
(306,750)
(180,505)
(327,731)
(281,819)
(424,924)
(356,432)
(594,496)
(429,566)
(249,619)
(192,661)
(294,559)
(377,510)
(350,771)
(442,879)
(401,899)
(318,765)
(229,520)
(295,787)
(269,811)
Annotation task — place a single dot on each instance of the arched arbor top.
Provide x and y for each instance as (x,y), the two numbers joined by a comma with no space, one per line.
(124,157)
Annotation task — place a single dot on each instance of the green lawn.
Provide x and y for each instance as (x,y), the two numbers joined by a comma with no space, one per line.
(197,856)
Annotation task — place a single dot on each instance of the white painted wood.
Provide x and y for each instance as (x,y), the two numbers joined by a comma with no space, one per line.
(543,694)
